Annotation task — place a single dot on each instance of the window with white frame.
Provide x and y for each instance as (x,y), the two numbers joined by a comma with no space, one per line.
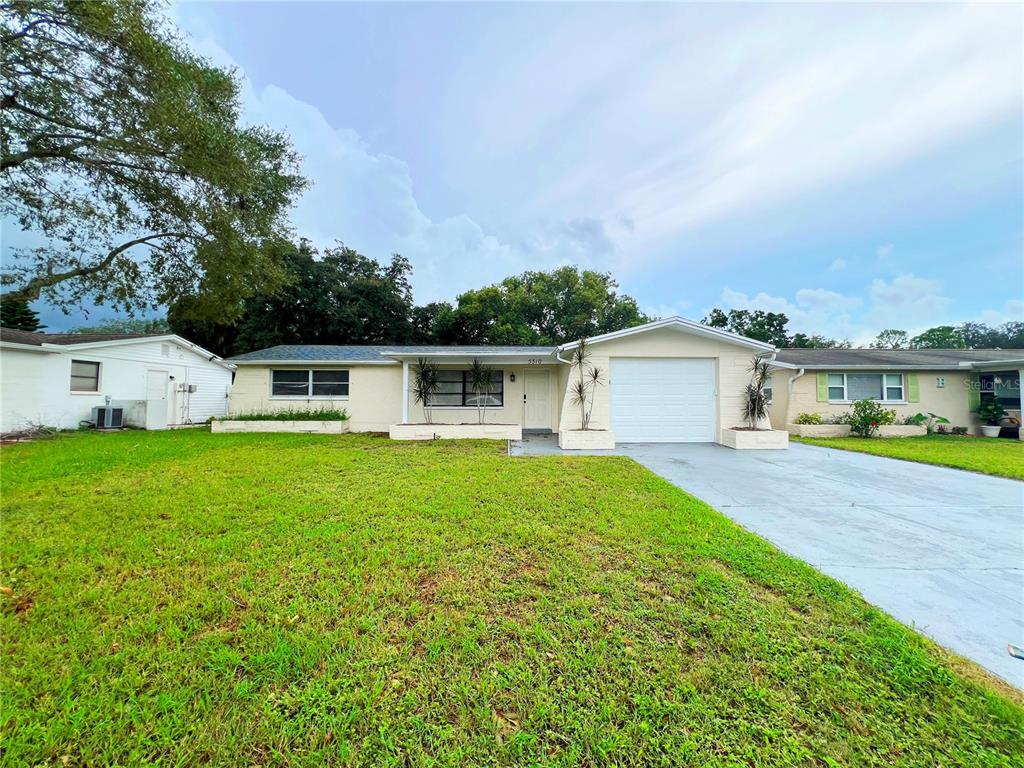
(85,376)
(309,383)
(847,387)
(455,390)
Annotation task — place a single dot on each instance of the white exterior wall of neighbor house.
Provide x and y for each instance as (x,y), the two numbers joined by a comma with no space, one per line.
(35,386)
(950,401)
(374,402)
(731,364)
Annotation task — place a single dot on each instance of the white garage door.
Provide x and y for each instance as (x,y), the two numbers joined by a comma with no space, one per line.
(658,400)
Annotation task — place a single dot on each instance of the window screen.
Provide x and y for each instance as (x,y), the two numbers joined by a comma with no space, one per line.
(864,386)
(85,376)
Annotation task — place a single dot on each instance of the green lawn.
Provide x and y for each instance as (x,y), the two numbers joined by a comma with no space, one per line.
(188,598)
(989,456)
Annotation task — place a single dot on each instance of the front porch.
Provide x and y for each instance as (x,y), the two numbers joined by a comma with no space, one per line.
(525,393)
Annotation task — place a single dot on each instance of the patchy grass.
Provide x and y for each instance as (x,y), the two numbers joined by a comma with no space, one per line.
(987,455)
(258,599)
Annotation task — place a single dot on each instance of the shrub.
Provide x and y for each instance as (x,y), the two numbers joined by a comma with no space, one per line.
(838,418)
(868,416)
(318,414)
(959,430)
(809,418)
(930,421)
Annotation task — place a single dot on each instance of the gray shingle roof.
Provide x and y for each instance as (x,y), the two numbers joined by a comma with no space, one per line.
(906,358)
(326,353)
(37,339)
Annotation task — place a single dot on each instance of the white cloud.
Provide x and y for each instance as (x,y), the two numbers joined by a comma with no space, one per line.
(819,298)
(837,265)
(883,252)
(366,199)
(1012,311)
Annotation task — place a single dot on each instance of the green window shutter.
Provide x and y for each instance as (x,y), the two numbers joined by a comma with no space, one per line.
(913,390)
(974,392)
(822,387)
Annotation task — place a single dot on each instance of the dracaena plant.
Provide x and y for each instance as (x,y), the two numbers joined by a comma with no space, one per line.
(588,379)
(425,385)
(755,399)
(481,382)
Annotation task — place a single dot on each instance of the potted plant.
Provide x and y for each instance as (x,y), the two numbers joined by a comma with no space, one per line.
(583,391)
(991,414)
(755,413)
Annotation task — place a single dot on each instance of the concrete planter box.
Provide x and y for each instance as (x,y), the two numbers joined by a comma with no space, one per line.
(819,430)
(456,432)
(756,440)
(318,427)
(843,430)
(902,430)
(586,439)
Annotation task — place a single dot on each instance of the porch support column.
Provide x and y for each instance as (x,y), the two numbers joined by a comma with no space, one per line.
(405,391)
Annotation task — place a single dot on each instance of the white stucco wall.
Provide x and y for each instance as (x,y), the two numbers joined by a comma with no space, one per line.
(35,387)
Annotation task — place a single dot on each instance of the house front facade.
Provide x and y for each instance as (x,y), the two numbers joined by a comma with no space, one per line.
(673,380)
(57,379)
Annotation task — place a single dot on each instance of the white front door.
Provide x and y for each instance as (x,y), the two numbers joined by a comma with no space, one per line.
(663,400)
(536,400)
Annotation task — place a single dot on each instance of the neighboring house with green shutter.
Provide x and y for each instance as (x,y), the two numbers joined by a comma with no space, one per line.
(947,382)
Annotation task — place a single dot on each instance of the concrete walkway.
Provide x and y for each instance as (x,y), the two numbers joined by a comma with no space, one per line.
(940,549)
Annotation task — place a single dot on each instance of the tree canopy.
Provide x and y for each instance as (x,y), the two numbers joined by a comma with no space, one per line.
(126,152)
(126,325)
(17,314)
(344,297)
(939,337)
(891,338)
(338,297)
(770,327)
(541,308)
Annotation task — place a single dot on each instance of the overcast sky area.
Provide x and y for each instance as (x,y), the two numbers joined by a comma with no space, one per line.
(855,166)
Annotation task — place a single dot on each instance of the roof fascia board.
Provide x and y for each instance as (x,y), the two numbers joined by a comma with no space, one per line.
(25,347)
(294,361)
(550,353)
(846,367)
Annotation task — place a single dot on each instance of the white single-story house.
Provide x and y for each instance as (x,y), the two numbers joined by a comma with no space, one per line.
(672,380)
(947,382)
(56,379)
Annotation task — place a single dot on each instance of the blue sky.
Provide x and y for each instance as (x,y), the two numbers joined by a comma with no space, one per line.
(856,166)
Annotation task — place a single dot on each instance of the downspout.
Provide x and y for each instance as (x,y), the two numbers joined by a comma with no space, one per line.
(789,395)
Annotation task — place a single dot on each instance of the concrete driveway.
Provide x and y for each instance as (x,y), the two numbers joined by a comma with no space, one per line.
(940,549)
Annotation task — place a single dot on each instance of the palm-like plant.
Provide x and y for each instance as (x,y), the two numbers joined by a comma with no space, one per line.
(480,381)
(425,385)
(590,377)
(755,401)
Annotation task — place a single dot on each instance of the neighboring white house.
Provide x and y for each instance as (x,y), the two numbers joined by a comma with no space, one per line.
(56,379)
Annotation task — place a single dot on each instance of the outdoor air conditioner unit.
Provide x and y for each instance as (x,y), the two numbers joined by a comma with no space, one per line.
(108,417)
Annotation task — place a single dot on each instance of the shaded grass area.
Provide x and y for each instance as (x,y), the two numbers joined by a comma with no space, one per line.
(989,456)
(263,599)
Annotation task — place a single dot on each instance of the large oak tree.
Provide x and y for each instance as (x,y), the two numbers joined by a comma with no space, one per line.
(126,152)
